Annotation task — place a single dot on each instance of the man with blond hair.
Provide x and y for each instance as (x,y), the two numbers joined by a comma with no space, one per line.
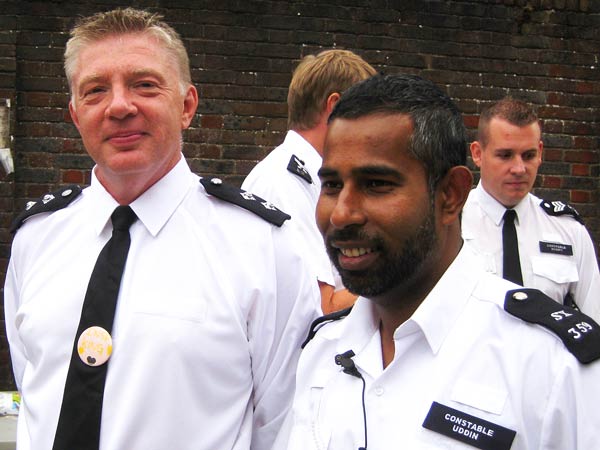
(288,175)
(188,333)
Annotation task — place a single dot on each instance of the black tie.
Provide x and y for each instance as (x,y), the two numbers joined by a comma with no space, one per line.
(79,421)
(511,269)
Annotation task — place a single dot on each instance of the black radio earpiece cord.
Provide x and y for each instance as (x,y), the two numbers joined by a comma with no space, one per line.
(345,360)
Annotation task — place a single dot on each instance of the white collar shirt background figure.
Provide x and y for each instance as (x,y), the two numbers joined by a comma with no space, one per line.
(270,179)
(459,349)
(205,339)
(554,274)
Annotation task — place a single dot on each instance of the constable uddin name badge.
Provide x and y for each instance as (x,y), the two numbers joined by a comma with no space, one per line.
(94,346)
(468,429)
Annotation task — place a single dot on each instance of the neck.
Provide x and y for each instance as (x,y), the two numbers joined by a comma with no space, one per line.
(397,305)
(315,136)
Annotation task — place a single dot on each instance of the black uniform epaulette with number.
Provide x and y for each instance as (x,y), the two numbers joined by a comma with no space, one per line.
(246,200)
(579,333)
(296,166)
(50,202)
(558,208)
(324,320)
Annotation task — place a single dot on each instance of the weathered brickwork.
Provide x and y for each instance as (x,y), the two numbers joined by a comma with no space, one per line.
(242,55)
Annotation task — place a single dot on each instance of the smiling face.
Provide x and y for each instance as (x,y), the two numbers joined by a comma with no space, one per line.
(510,160)
(130,108)
(375,210)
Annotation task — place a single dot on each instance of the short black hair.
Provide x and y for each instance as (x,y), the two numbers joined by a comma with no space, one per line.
(439,138)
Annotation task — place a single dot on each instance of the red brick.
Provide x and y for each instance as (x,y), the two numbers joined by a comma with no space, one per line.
(580,170)
(581,197)
(551,182)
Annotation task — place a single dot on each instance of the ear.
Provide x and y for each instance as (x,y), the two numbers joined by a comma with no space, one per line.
(190,104)
(476,152)
(73,113)
(453,191)
(331,101)
(541,149)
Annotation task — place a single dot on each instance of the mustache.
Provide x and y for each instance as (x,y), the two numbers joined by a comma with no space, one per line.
(351,233)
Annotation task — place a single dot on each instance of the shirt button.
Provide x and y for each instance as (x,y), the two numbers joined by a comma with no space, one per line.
(379,391)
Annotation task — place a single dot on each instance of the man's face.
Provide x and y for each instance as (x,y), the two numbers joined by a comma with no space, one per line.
(510,160)
(375,210)
(129,108)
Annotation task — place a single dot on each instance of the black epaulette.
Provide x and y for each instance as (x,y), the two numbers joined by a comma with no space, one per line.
(558,208)
(324,320)
(246,200)
(50,202)
(579,333)
(296,166)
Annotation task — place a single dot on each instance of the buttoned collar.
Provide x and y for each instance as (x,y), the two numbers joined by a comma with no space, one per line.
(495,210)
(153,208)
(434,317)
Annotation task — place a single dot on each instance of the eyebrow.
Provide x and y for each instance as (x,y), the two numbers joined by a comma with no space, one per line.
(364,170)
(138,73)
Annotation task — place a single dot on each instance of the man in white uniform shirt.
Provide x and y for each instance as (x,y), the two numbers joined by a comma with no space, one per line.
(214,297)
(435,353)
(288,175)
(555,252)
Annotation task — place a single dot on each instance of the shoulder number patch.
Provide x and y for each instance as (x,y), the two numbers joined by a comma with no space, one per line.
(296,166)
(558,208)
(246,200)
(579,333)
(50,202)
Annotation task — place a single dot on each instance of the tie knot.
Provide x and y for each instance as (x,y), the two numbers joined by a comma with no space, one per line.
(510,215)
(122,217)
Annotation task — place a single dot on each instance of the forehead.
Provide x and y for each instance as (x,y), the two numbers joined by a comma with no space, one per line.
(373,139)
(124,52)
(501,131)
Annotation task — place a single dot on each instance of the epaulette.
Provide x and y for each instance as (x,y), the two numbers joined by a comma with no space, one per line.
(246,200)
(50,202)
(579,333)
(558,208)
(296,166)
(320,322)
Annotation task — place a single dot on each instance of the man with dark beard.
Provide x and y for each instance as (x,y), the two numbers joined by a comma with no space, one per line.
(436,353)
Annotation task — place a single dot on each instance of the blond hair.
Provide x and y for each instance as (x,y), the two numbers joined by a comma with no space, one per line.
(316,78)
(125,21)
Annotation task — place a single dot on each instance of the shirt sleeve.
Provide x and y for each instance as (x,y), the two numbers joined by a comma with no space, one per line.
(587,289)
(11,306)
(571,419)
(276,330)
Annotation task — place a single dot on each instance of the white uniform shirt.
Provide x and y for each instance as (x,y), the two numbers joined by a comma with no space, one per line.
(554,274)
(271,180)
(459,349)
(213,306)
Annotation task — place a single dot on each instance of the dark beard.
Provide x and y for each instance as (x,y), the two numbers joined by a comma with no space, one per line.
(392,269)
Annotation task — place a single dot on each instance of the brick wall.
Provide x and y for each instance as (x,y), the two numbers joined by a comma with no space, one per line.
(242,55)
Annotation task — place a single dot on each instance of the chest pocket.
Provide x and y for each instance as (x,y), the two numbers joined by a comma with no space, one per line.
(559,269)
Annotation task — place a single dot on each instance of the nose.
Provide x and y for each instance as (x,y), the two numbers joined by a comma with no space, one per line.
(121,105)
(518,166)
(348,210)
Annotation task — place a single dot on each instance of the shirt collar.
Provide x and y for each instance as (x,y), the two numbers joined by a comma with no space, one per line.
(495,210)
(153,208)
(440,310)
(434,317)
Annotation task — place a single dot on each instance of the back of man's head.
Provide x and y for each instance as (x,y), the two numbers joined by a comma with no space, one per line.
(512,110)
(439,137)
(316,78)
